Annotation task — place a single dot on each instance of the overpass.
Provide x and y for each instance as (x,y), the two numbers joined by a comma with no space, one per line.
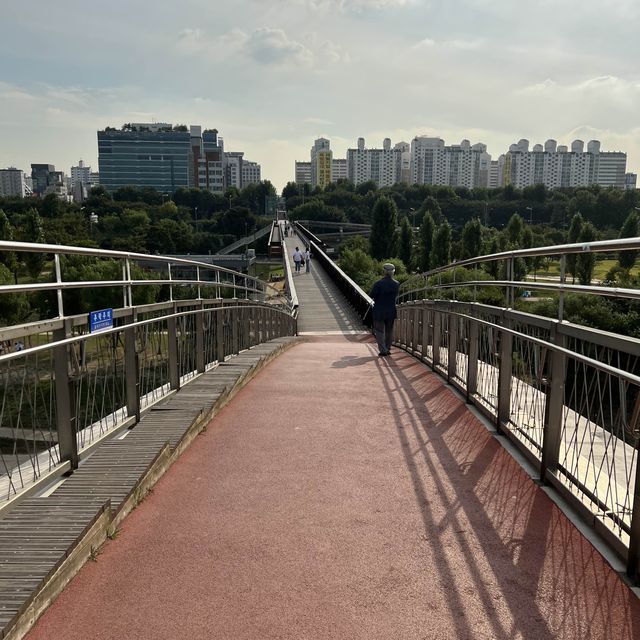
(289,483)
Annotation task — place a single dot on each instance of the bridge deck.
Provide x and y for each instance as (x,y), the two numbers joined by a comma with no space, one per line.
(362,500)
(322,307)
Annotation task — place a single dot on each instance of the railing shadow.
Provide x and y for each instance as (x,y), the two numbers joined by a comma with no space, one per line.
(520,543)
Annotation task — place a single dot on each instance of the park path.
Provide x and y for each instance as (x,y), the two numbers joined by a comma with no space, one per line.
(341,495)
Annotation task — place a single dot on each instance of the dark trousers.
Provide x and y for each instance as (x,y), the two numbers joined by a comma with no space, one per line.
(383,332)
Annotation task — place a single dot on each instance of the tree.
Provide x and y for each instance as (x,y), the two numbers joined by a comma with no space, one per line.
(472,238)
(426,242)
(8,258)
(514,230)
(406,240)
(626,259)
(50,207)
(587,259)
(430,205)
(575,229)
(33,232)
(442,245)
(383,228)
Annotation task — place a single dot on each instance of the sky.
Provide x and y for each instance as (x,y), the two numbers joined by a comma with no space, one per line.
(273,75)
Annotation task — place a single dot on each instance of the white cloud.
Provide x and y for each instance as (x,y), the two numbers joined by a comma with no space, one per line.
(273,46)
(352,5)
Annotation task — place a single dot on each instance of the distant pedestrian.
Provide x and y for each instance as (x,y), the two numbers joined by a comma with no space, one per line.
(297,259)
(307,260)
(384,294)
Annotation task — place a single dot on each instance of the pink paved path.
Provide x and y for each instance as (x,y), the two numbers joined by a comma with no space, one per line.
(344,496)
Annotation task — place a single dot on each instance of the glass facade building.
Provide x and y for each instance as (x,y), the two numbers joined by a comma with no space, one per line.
(158,159)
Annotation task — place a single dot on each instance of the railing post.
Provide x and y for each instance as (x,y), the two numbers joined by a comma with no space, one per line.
(235,320)
(504,379)
(554,410)
(174,365)
(472,359)
(425,333)
(563,278)
(453,347)
(65,399)
(633,558)
(131,372)
(437,322)
(219,329)
(56,260)
(200,359)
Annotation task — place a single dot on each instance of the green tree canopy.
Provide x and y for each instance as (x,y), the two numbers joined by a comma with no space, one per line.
(427,229)
(626,259)
(472,239)
(382,241)
(442,245)
(406,241)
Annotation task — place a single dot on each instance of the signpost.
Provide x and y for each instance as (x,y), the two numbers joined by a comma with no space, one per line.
(102,319)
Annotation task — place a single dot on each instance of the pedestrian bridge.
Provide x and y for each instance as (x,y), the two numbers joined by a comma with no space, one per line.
(234,461)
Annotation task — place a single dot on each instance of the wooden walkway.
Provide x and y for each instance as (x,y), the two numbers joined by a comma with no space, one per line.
(323,310)
(44,540)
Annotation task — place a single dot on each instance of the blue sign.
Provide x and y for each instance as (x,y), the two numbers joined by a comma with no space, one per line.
(102,319)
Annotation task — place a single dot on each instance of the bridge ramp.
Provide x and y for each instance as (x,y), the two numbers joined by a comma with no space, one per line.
(322,307)
(342,495)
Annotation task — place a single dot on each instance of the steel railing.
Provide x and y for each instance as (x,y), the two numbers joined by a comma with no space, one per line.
(356,296)
(65,388)
(567,395)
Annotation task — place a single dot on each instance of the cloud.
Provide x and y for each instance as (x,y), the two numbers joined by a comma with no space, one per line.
(196,42)
(459,44)
(352,5)
(273,47)
(319,121)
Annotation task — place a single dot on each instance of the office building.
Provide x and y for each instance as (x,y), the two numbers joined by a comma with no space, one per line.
(12,183)
(250,173)
(233,161)
(161,156)
(630,180)
(80,173)
(46,180)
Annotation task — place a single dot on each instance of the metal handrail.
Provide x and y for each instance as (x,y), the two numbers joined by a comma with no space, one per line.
(353,292)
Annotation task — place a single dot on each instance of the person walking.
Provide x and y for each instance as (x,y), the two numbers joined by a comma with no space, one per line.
(297,259)
(307,260)
(384,294)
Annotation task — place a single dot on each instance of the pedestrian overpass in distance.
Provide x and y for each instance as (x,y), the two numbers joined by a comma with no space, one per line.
(481,482)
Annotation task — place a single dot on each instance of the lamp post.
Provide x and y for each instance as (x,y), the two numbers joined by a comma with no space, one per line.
(530,210)
(413,212)
(195,210)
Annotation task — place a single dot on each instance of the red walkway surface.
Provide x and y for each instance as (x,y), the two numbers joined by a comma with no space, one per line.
(344,496)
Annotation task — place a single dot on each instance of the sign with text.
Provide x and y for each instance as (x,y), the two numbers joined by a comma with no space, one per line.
(99,320)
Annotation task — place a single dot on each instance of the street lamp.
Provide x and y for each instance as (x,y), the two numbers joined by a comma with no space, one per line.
(530,210)
(195,209)
(413,211)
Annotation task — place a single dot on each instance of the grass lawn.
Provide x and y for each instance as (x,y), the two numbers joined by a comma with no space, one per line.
(602,267)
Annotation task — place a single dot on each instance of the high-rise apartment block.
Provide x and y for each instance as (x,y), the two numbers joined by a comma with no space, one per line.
(303,172)
(558,166)
(630,180)
(338,169)
(386,166)
(460,165)
(321,163)
(12,183)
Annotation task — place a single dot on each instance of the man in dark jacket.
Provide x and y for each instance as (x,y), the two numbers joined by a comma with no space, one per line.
(384,294)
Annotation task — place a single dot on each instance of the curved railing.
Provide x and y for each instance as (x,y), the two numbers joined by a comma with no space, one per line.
(69,379)
(567,395)
(358,298)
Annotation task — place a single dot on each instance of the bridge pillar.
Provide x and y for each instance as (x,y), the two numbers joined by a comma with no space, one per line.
(65,399)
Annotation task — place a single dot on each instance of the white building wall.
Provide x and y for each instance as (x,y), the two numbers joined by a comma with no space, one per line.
(12,183)
(250,173)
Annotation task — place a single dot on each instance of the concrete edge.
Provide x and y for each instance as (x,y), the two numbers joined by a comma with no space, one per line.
(85,549)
